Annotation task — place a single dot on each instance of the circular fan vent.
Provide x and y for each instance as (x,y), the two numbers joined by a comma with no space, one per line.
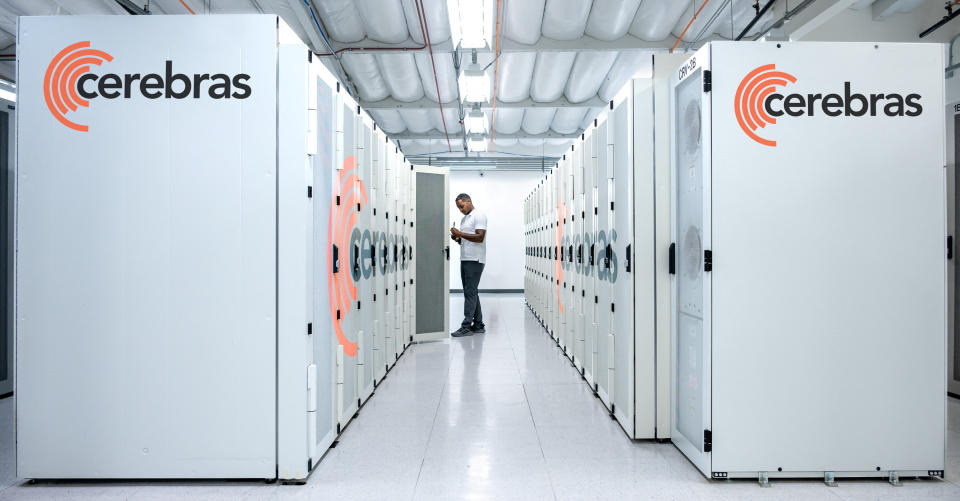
(691,127)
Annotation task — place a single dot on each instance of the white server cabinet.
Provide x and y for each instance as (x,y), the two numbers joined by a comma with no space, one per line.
(587,337)
(565,268)
(348,198)
(810,278)
(540,254)
(389,184)
(205,306)
(377,194)
(574,318)
(411,264)
(396,297)
(537,254)
(360,262)
(606,266)
(546,261)
(400,255)
(405,220)
(550,307)
(542,264)
(953,271)
(590,231)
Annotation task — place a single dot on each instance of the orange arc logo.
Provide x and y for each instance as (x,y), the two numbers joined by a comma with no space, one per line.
(352,196)
(748,102)
(60,80)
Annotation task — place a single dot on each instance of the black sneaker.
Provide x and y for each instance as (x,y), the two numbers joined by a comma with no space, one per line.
(478,329)
(463,331)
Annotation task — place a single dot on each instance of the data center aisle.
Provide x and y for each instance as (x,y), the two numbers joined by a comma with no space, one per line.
(501,415)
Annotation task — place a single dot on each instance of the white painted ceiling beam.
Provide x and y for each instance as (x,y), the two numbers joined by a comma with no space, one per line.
(544,44)
(815,16)
(435,134)
(391,103)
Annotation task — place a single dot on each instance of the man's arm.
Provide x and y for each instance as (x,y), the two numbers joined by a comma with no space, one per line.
(473,237)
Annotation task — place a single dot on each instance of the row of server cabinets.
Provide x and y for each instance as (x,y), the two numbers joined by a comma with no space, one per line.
(795,272)
(219,301)
(591,263)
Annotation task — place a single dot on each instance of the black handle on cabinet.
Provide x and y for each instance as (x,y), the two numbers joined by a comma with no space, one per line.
(673,258)
(629,258)
(356,258)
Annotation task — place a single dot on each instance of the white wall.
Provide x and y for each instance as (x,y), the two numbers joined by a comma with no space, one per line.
(500,195)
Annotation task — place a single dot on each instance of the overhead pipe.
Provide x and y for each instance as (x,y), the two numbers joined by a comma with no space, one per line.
(421,14)
(496,69)
(760,13)
(687,27)
(946,19)
(786,17)
(133,8)
(709,24)
(185,6)
(326,41)
(460,113)
(421,20)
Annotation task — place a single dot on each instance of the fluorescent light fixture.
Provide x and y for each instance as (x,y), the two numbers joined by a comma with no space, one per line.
(476,142)
(475,122)
(471,23)
(9,96)
(474,86)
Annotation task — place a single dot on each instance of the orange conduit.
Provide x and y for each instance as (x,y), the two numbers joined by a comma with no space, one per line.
(185,6)
(496,68)
(421,13)
(692,19)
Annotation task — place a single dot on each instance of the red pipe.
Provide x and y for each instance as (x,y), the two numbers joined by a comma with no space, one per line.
(421,13)
(692,19)
(496,70)
(184,4)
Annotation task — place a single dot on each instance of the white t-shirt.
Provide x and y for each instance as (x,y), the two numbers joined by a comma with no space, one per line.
(473,251)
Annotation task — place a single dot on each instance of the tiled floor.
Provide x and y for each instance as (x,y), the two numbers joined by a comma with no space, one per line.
(495,416)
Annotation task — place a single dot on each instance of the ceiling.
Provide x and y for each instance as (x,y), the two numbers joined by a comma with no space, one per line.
(560,60)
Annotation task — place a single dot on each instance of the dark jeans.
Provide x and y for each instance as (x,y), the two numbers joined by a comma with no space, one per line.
(470,272)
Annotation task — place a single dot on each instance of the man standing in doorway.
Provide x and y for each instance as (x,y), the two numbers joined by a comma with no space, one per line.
(473,253)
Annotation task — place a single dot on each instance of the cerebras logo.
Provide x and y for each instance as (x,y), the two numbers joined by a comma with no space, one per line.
(757,102)
(69,85)
(354,252)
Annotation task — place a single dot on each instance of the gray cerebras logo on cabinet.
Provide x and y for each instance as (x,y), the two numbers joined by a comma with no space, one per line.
(590,254)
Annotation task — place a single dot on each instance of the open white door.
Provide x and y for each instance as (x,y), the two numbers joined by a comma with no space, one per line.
(433,254)
(7,140)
